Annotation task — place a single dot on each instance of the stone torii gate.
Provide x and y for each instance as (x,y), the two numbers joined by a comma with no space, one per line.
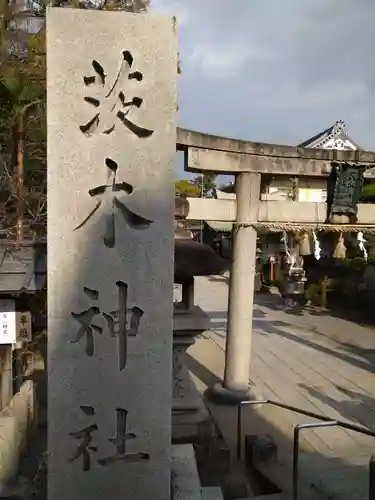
(248,161)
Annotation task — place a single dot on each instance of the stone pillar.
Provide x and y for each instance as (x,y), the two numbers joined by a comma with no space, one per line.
(188,294)
(186,304)
(111,81)
(241,290)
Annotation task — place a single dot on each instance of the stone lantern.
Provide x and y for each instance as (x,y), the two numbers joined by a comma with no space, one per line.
(191,259)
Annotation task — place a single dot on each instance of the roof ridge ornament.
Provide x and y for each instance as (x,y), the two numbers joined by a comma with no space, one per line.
(339,126)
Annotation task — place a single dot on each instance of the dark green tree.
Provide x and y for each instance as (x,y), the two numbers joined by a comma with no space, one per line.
(206,183)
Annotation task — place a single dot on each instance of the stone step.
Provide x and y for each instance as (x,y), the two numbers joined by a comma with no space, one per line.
(275,496)
(185,478)
(211,493)
(321,477)
(280,474)
(276,467)
(339,478)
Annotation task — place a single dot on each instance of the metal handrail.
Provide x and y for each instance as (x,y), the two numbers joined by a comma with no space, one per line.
(297,430)
(325,422)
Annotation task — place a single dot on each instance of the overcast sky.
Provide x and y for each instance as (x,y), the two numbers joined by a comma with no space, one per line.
(276,70)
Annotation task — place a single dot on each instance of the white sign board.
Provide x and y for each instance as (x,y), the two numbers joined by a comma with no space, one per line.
(7,321)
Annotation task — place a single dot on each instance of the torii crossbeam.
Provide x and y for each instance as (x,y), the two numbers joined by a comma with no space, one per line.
(247,161)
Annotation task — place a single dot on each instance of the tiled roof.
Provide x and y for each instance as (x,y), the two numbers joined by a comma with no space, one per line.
(336,131)
(23,268)
(220,226)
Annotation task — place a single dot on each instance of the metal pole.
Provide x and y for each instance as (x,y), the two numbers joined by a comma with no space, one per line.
(323,418)
(296,433)
(239,423)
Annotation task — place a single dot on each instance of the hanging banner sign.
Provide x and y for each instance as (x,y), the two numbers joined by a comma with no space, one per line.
(345,189)
(23,326)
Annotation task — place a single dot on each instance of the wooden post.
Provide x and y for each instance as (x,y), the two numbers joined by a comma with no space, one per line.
(241,290)
(6,375)
(324,286)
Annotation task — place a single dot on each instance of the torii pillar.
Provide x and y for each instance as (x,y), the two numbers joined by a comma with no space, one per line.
(241,289)
(247,161)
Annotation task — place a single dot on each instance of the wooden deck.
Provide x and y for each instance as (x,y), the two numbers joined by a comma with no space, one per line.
(313,361)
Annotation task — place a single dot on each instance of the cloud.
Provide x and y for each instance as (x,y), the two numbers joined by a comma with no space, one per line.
(276,71)
(224,61)
(320,94)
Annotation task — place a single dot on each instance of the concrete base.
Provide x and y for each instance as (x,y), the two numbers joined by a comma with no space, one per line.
(16,421)
(187,427)
(221,394)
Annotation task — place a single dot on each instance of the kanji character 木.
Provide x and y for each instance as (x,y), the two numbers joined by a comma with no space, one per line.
(106,196)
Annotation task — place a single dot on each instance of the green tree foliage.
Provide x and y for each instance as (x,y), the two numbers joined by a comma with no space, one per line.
(368,193)
(187,188)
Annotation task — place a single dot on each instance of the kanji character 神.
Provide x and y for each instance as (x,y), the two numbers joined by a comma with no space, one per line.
(117,322)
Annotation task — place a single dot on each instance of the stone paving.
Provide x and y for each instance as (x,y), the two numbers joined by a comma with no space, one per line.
(306,359)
